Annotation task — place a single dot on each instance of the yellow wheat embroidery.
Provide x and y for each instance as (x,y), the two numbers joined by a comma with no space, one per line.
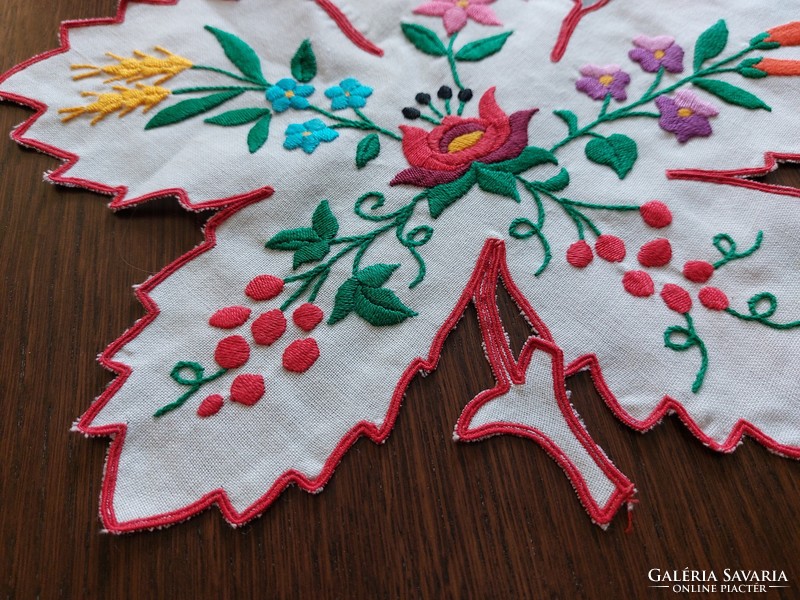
(141,66)
(124,100)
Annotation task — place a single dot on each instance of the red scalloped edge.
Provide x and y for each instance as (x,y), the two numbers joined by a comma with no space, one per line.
(493,251)
(738,177)
(669,406)
(119,200)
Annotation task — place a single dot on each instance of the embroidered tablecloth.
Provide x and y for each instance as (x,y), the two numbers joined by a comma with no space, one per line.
(377,167)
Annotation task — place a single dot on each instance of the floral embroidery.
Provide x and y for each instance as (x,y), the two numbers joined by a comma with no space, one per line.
(308,136)
(141,66)
(601,82)
(449,150)
(652,53)
(286,94)
(348,94)
(122,99)
(685,115)
(455,13)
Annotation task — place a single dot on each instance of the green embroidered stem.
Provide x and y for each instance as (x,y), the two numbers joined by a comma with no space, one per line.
(763,316)
(193,384)
(692,340)
(397,220)
(429,119)
(651,94)
(435,110)
(656,81)
(451,59)
(365,124)
(231,75)
(727,247)
(461,106)
(219,88)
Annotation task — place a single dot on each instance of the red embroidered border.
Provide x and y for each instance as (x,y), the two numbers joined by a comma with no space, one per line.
(668,406)
(738,177)
(119,192)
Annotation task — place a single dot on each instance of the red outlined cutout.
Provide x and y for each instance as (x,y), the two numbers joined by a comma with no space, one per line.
(119,193)
(492,258)
(570,23)
(739,177)
(509,370)
(668,406)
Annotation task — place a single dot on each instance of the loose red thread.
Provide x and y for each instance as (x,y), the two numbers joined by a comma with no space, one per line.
(232,352)
(656,253)
(269,327)
(300,355)
(230,317)
(569,25)
(210,406)
(631,505)
(247,389)
(353,34)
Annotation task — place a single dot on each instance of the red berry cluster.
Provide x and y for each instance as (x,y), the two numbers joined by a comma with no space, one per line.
(233,352)
(612,248)
(658,253)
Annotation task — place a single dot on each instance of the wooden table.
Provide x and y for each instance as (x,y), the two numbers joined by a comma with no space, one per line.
(420,517)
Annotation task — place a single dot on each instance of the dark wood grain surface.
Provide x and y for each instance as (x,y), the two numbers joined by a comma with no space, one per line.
(419,517)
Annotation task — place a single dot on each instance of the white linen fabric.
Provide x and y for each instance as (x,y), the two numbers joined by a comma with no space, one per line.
(164,468)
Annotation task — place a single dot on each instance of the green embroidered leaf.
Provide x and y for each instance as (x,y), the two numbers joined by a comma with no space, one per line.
(257,136)
(554,184)
(344,302)
(323,221)
(304,63)
(616,151)
(186,109)
(732,94)
(759,44)
(498,182)
(424,39)
(443,195)
(529,157)
(710,43)
(569,117)
(376,275)
(368,149)
(311,253)
(480,49)
(240,54)
(241,116)
(293,239)
(380,306)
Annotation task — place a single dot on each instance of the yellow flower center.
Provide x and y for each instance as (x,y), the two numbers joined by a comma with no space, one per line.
(462,3)
(347,94)
(685,112)
(606,80)
(306,133)
(462,142)
(659,54)
(289,94)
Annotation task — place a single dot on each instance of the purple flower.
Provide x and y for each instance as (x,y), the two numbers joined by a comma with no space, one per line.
(599,82)
(652,53)
(685,115)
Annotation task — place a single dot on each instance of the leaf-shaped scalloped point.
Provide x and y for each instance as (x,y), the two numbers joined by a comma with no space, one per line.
(229,317)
